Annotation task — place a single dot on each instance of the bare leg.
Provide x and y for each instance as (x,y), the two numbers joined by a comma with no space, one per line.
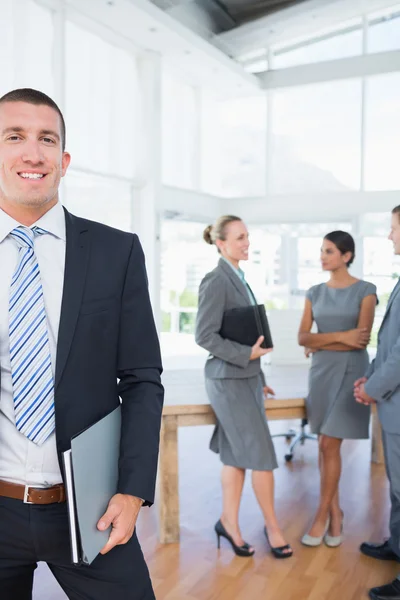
(336,513)
(335,527)
(330,467)
(232,480)
(263,485)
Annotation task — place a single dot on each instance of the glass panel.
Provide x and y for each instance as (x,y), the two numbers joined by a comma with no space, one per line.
(124,108)
(234,138)
(104,200)
(100,103)
(179,133)
(330,45)
(38,49)
(381,266)
(291,255)
(384,30)
(185,259)
(6,47)
(316,133)
(382,151)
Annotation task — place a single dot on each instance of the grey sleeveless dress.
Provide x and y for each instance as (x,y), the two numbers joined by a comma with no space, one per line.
(331,407)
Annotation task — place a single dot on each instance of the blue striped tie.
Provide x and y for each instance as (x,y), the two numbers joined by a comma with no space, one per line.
(32,377)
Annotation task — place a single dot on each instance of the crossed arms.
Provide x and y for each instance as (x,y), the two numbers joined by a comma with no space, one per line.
(339,341)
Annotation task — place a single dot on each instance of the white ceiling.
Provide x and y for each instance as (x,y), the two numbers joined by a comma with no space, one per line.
(209,62)
(286,26)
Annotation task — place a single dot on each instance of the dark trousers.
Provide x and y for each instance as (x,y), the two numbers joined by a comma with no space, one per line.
(391,447)
(32,533)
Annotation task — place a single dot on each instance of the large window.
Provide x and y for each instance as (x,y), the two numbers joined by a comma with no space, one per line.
(381,266)
(100,104)
(316,138)
(382,170)
(179,133)
(234,138)
(185,259)
(330,45)
(6,47)
(25,56)
(384,30)
(99,198)
(37,70)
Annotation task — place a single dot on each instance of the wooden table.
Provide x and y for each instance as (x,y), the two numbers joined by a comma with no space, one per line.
(188,415)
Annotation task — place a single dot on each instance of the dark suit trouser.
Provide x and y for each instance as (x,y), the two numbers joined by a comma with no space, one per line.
(391,447)
(32,533)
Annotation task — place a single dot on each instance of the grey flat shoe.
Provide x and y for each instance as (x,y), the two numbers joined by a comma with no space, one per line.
(333,541)
(312,541)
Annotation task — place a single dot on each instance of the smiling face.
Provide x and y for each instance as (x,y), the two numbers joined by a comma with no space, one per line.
(236,245)
(331,257)
(394,234)
(31,158)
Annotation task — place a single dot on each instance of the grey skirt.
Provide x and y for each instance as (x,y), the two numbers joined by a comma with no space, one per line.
(241,436)
(331,407)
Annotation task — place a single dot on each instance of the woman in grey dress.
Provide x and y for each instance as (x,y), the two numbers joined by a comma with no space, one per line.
(343,310)
(236,389)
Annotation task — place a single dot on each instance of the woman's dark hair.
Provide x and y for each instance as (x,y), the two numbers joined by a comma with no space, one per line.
(344,242)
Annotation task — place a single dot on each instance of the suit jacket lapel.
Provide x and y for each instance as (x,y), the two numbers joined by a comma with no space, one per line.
(76,260)
(235,279)
(394,293)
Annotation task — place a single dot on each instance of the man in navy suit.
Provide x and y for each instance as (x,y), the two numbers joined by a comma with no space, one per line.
(77,336)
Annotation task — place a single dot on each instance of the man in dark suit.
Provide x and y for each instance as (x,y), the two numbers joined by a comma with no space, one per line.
(77,335)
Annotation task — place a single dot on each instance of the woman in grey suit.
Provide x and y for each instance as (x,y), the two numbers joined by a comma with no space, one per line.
(343,309)
(236,389)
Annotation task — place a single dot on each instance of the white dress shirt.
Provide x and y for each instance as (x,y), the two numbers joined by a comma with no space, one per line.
(22,461)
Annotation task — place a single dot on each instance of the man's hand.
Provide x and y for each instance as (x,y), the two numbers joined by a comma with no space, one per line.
(361,395)
(121,514)
(268,391)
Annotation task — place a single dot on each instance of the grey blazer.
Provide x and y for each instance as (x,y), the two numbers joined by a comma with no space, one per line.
(384,372)
(220,290)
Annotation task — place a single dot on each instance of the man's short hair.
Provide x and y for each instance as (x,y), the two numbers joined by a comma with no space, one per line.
(38,98)
(396,211)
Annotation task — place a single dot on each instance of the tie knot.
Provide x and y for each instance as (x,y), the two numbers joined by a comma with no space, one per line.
(24,236)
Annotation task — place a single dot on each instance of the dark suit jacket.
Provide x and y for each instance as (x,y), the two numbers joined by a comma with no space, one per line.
(106,333)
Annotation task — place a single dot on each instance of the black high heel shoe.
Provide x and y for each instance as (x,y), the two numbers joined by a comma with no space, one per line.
(238,550)
(279,551)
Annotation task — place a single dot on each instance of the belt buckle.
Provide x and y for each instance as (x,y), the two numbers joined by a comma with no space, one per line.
(26,494)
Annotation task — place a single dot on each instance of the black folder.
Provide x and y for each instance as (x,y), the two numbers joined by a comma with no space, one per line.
(245,325)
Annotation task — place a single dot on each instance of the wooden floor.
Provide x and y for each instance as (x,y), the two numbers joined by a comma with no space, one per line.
(196,570)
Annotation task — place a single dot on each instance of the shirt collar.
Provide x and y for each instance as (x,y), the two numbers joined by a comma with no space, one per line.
(53,221)
(238,270)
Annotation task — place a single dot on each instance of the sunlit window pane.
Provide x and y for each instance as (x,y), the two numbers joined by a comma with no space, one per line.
(330,45)
(316,141)
(384,30)
(234,138)
(179,136)
(382,170)
(99,199)
(100,103)
(6,47)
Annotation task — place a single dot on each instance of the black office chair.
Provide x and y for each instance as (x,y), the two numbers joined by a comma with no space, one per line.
(296,437)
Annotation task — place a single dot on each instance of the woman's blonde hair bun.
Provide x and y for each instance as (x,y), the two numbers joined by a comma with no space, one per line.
(207,235)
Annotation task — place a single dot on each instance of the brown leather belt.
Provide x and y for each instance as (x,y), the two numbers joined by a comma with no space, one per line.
(32,495)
